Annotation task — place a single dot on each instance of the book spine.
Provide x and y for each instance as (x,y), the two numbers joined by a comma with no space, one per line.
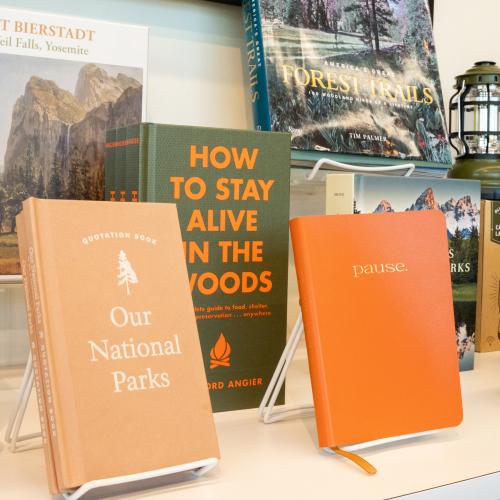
(109,165)
(143,161)
(151,163)
(33,333)
(319,382)
(120,166)
(254,46)
(132,163)
(484,233)
(54,366)
(339,194)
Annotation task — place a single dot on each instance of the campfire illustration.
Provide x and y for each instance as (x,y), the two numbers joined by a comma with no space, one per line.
(219,354)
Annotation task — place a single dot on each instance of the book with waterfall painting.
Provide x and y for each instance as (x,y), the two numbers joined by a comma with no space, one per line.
(352,80)
(69,80)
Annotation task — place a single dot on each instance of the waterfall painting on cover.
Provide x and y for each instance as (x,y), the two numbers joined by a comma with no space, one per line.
(351,77)
(64,82)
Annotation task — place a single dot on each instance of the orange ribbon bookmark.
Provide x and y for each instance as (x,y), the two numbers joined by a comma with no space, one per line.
(361,462)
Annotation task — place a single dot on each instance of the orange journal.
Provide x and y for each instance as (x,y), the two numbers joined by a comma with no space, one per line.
(377,304)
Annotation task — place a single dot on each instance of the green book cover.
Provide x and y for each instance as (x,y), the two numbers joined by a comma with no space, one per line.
(231,188)
(131,177)
(109,163)
(119,177)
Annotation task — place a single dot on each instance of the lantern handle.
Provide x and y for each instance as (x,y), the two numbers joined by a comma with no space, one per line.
(459,117)
(450,131)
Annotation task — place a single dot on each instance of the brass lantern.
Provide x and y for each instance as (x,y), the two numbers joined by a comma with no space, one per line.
(474,123)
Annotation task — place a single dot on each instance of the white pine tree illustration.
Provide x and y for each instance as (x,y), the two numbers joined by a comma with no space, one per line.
(126,275)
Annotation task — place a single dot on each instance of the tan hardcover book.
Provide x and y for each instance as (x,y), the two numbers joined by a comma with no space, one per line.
(126,386)
(488,280)
(34,330)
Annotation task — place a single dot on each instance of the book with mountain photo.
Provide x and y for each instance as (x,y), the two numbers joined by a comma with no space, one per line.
(67,80)
(459,200)
(354,80)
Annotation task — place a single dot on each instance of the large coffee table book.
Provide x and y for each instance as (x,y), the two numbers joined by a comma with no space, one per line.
(376,300)
(459,200)
(231,188)
(488,297)
(356,81)
(118,369)
(66,80)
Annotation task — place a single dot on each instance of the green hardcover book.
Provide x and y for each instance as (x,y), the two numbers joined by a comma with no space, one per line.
(131,177)
(109,163)
(231,188)
(120,166)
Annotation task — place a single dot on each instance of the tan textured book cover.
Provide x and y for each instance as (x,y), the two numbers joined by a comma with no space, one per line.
(488,296)
(27,268)
(125,385)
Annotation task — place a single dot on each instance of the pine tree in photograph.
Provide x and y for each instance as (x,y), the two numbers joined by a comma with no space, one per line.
(14,204)
(27,171)
(126,275)
(55,185)
(374,19)
(362,20)
(418,36)
(40,191)
(3,208)
(294,14)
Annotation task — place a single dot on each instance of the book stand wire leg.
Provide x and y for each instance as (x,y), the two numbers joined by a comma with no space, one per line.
(269,414)
(12,437)
(267,411)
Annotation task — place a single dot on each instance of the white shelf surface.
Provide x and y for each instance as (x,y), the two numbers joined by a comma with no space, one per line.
(281,460)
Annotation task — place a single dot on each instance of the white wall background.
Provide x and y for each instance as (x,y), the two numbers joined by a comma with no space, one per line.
(197,75)
(465,32)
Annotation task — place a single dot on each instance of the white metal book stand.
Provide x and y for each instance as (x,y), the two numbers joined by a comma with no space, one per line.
(267,412)
(111,485)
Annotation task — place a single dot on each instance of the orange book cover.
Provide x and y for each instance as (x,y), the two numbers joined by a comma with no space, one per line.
(376,298)
(123,378)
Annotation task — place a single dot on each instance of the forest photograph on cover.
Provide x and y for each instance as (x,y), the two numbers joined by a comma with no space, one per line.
(355,76)
(53,123)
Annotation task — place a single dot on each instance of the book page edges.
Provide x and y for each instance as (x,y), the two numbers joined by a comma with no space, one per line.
(324,420)
(69,468)
(24,245)
(480,279)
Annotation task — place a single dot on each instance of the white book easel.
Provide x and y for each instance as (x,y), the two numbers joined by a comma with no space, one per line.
(268,413)
(178,472)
